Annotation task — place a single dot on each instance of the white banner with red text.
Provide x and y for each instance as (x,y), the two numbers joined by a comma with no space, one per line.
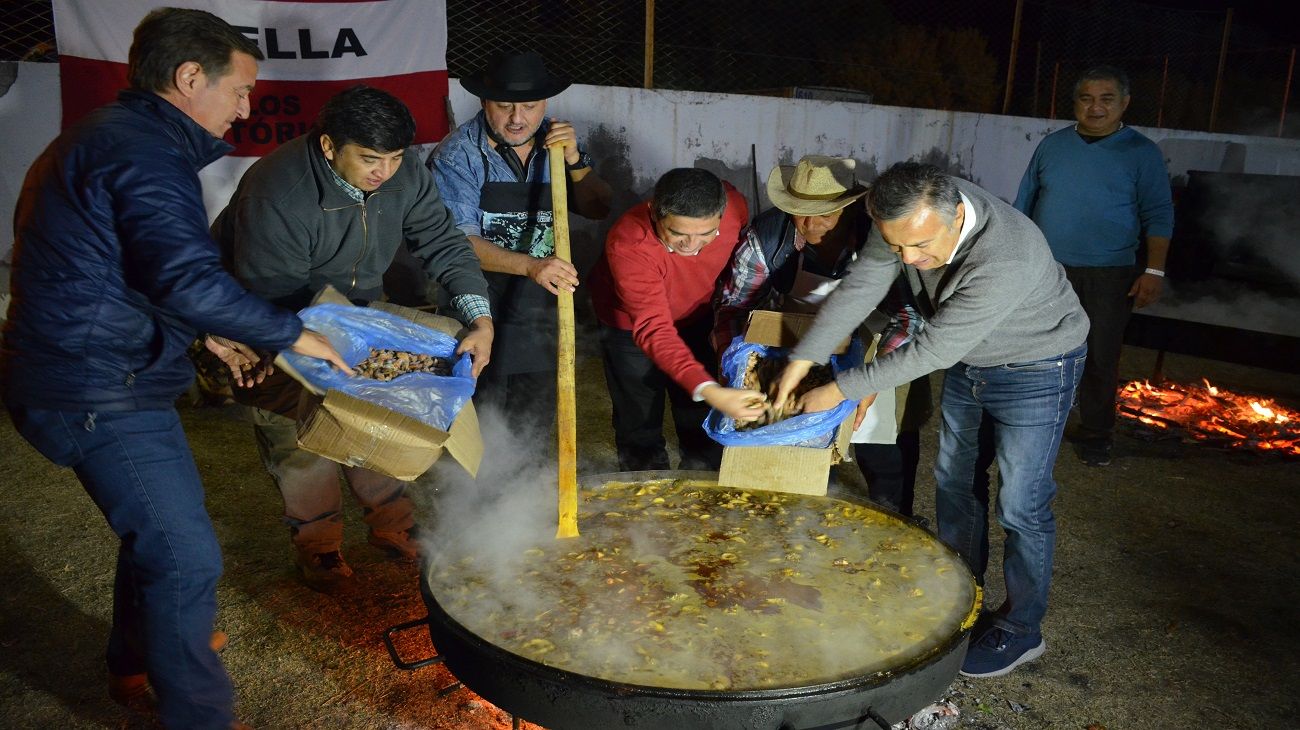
(313,50)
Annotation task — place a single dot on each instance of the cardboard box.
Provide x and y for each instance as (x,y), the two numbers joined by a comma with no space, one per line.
(781,329)
(795,469)
(354,432)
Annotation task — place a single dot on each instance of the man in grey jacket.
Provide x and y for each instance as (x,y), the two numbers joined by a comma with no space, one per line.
(1003,321)
(331,207)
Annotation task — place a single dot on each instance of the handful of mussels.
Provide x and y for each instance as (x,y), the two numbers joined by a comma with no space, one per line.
(763,373)
(388,364)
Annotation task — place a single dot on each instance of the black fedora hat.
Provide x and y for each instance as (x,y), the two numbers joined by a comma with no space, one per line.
(515,77)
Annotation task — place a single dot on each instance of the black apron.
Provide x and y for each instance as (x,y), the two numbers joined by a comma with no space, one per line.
(517,216)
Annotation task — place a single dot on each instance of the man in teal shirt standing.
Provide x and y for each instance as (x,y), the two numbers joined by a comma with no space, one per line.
(1096,189)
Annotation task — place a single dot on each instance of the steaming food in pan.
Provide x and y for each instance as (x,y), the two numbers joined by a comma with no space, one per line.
(684,585)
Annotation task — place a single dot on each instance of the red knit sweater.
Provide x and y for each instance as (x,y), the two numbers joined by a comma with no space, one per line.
(640,285)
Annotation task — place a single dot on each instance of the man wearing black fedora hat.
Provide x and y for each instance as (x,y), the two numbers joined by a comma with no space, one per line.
(494,177)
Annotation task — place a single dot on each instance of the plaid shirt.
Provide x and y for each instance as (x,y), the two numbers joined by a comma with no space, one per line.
(744,290)
(905,320)
(749,287)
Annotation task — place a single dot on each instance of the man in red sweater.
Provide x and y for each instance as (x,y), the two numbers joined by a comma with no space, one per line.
(652,290)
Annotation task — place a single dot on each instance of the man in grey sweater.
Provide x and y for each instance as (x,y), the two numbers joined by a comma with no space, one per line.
(1004,323)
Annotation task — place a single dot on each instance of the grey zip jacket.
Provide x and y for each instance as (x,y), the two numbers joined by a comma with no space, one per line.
(290,229)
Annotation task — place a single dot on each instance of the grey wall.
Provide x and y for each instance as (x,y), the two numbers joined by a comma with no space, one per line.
(642,133)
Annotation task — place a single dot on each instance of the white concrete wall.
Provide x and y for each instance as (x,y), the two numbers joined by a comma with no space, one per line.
(29,119)
(635,135)
(658,130)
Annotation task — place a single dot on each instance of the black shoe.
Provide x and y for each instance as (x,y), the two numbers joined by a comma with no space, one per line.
(1094,453)
(1076,433)
(983,622)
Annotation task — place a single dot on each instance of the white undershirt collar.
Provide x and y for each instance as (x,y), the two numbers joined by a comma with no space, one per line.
(967,225)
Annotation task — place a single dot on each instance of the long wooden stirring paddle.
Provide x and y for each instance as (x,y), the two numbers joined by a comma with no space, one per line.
(566,409)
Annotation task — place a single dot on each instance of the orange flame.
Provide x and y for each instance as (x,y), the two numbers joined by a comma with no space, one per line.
(1211,413)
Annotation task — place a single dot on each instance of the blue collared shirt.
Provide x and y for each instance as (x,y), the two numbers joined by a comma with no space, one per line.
(457,167)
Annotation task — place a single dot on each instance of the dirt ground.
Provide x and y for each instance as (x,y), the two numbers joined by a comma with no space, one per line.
(1174,604)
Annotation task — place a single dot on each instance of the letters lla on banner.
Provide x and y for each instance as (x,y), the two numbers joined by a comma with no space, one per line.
(398,46)
(345,43)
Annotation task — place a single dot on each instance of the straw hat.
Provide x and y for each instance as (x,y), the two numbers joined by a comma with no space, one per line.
(816,186)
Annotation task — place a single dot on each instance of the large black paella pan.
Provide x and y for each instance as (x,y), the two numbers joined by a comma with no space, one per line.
(686,605)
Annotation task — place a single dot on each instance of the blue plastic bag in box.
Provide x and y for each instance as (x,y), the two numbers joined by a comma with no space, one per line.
(431,399)
(812,430)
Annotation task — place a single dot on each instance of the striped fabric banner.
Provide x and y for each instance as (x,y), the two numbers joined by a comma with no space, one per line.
(312,49)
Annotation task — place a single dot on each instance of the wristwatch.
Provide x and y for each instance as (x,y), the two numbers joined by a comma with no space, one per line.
(584,161)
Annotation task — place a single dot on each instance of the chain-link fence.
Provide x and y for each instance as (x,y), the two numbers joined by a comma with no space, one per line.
(1172,57)
(943,54)
(27,31)
(591,41)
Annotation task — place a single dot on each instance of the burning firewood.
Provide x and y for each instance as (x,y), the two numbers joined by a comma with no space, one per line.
(388,364)
(1212,414)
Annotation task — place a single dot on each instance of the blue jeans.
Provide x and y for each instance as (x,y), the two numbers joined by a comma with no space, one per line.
(1027,405)
(137,467)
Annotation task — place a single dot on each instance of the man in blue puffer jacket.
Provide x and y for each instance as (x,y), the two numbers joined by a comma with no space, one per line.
(114,274)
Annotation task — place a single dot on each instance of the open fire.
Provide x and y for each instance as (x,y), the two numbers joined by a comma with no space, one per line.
(1214,415)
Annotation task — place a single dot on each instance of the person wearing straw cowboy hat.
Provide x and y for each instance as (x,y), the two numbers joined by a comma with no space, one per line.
(789,259)
(494,177)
